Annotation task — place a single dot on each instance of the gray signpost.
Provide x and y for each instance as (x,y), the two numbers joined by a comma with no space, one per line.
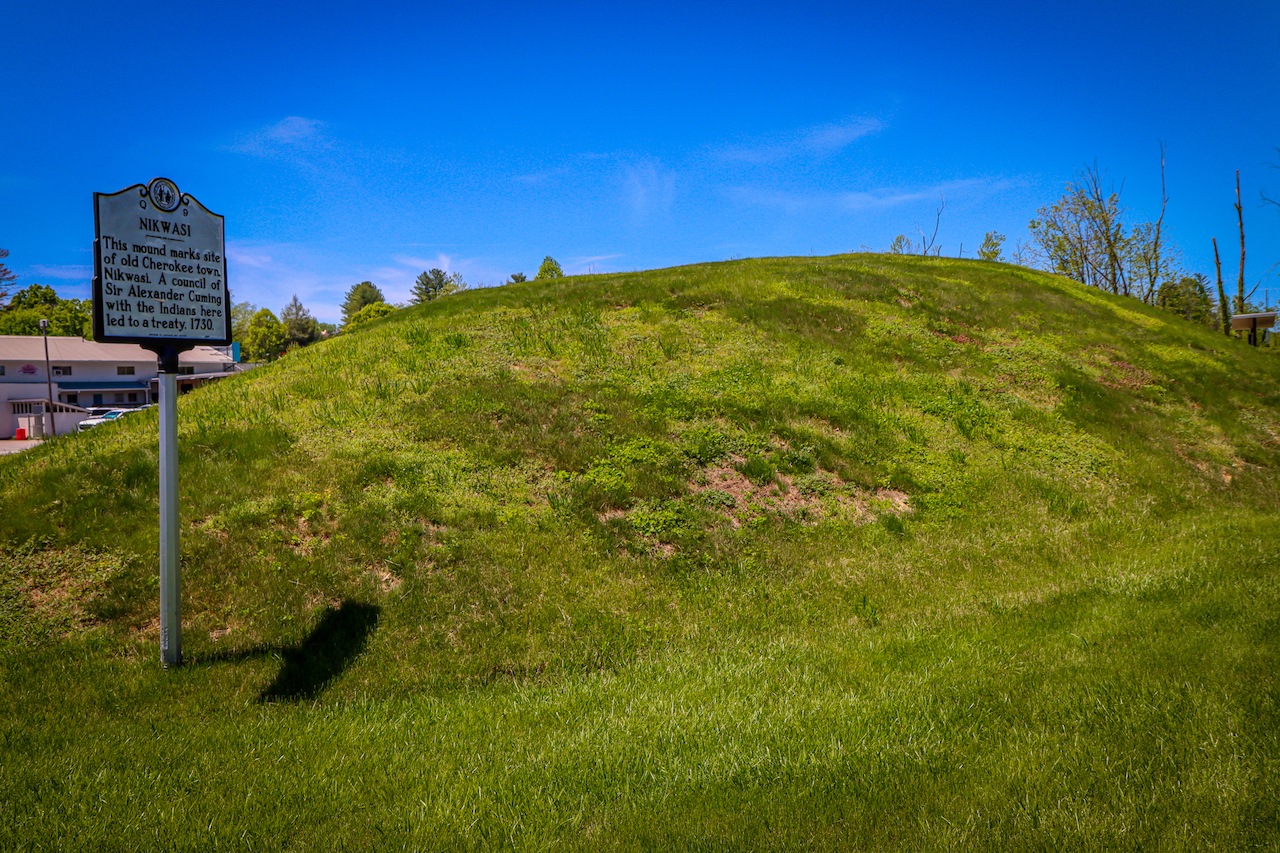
(160,281)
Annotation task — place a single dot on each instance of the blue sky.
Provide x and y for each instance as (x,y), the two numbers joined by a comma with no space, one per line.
(373,141)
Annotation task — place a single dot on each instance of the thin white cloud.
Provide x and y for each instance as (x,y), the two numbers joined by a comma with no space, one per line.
(249,257)
(591,259)
(649,187)
(295,130)
(869,200)
(68,272)
(440,262)
(833,137)
(268,275)
(588,265)
(288,136)
(474,271)
(814,141)
(545,176)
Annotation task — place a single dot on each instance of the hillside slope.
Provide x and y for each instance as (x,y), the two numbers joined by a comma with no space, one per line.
(859,491)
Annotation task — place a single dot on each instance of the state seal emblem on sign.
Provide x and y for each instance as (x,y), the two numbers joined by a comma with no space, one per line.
(164,194)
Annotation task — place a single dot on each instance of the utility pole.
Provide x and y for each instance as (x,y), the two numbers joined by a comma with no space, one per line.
(48,376)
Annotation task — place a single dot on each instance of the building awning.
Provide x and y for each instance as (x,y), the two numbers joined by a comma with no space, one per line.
(101,386)
(1245,322)
(192,379)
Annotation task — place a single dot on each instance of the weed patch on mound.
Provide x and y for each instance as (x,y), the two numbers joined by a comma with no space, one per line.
(48,594)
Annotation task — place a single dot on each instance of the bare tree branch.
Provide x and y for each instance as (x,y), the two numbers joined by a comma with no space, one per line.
(1222,294)
(925,247)
(1240,216)
(1262,194)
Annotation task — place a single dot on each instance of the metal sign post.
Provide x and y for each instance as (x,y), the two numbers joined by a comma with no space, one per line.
(160,275)
(170,573)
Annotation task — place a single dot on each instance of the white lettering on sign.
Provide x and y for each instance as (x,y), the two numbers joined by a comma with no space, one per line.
(161,265)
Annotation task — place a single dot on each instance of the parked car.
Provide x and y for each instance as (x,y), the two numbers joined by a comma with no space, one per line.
(107,418)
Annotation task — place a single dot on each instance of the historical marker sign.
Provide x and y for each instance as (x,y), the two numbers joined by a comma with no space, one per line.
(160,269)
(160,281)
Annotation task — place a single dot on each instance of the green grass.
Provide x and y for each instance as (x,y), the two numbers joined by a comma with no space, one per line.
(845,553)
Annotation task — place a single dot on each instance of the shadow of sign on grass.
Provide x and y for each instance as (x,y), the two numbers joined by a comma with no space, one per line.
(340,635)
(338,638)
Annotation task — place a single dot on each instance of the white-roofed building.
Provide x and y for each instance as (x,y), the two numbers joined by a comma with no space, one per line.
(88,374)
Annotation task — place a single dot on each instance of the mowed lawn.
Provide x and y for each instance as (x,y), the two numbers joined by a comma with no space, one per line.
(849,553)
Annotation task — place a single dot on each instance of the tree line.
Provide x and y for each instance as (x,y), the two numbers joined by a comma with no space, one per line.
(22,314)
(262,335)
(1088,235)
(265,337)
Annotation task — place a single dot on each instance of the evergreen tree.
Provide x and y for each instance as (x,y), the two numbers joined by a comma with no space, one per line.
(436,283)
(6,275)
(517,277)
(549,269)
(362,294)
(429,285)
(300,327)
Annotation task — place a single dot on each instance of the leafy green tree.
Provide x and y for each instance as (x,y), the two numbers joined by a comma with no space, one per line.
(1084,235)
(1189,298)
(516,278)
(990,249)
(69,317)
(241,315)
(35,296)
(368,313)
(266,337)
(901,245)
(455,284)
(549,269)
(362,294)
(429,285)
(300,327)
(6,275)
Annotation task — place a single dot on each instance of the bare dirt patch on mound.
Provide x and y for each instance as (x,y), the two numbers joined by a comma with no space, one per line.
(808,499)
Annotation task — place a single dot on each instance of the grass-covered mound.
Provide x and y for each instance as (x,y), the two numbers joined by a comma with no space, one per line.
(855,552)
